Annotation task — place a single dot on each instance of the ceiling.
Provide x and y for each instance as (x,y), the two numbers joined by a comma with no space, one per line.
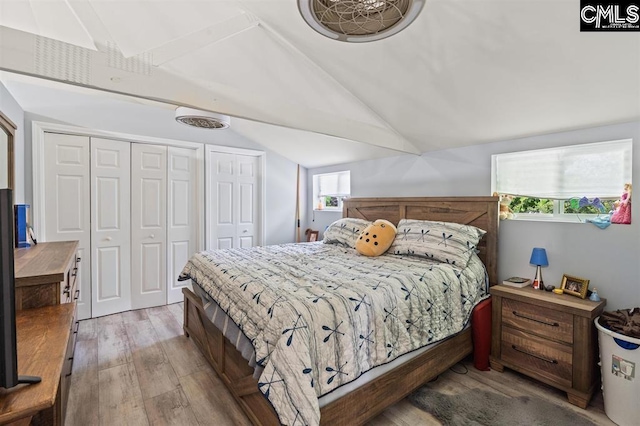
(464,73)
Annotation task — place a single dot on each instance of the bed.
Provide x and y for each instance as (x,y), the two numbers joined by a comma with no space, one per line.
(369,399)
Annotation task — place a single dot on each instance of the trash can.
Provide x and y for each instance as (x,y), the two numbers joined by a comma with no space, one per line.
(619,362)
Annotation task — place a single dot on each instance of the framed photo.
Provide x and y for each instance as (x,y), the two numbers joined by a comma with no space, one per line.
(575,286)
(311,235)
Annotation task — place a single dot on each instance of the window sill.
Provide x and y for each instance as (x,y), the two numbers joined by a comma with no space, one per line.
(568,218)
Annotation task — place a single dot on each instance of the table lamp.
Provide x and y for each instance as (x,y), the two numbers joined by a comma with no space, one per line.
(539,258)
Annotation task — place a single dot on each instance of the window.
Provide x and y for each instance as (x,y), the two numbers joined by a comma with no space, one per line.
(563,183)
(329,189)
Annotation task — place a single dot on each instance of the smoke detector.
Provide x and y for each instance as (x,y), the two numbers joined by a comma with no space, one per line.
(202,119)
(359,20)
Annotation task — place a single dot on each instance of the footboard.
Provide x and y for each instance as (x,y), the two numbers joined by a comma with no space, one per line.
(355,408)
(231,367)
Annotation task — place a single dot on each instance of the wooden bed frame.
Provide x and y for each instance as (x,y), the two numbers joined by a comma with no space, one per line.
(372,398)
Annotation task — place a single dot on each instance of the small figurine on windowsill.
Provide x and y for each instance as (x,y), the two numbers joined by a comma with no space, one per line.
(505,211)
(622,213)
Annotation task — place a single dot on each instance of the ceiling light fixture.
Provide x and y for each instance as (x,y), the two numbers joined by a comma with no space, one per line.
(202,119)
(358,21)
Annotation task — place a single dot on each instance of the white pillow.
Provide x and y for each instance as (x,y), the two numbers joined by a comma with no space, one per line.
(448,242)
(345,231)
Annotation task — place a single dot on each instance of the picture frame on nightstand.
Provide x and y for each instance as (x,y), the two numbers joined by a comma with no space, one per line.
(575,286)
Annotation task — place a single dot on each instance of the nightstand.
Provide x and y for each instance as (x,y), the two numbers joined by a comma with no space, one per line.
(547,336)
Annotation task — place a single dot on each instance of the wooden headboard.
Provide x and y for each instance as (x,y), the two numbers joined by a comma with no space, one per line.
(481,212)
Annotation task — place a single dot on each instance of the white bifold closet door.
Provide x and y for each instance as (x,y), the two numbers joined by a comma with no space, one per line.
(163,222)
(67,192)
(182,220)
(148,225)
(133,208)
(233,199)
(110,229)
(247,194)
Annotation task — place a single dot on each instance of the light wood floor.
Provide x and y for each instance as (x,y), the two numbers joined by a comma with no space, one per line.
(138,368)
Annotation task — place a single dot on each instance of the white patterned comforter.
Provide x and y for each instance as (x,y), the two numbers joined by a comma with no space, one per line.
(320,315)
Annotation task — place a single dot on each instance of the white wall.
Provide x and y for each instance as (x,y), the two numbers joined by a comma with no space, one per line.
(281,199)
(609,258)
(14,112)
(113,114)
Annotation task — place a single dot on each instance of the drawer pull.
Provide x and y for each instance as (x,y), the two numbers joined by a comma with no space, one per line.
(550,361)
(77,327)
(78,259)
(76,294)
(552,324)
(75,272)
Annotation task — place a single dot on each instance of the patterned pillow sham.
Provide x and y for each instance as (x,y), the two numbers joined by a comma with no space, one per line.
(345,231)
(442,241)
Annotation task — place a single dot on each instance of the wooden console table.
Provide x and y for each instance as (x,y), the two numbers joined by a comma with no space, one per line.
(45,344)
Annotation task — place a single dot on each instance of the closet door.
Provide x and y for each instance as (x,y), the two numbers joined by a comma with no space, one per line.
(233,197)
(182,220)
(247,200)
(148,225)
(111,230)
(222,211)
(67,203)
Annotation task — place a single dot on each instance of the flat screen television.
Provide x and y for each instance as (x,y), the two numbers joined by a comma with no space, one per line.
(9,353)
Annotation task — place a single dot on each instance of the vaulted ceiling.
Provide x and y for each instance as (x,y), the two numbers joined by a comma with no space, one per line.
(465,72)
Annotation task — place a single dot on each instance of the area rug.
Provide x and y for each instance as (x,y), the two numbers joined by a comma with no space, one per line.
(478,407)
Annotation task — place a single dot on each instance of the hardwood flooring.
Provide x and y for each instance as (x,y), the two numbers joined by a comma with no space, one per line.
(138,368)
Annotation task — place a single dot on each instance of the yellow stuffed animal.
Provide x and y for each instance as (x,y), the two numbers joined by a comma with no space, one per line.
(376,238)
(505,210)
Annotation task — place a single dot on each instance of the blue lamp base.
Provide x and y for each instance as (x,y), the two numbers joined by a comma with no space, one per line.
(537,281)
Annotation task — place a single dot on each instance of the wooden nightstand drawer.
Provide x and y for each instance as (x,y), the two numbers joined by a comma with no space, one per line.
(548,359)
(541,321)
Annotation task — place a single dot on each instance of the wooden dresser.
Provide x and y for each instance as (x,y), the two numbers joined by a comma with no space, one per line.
(47,327)
(46,274)
(547,336)
(45,348)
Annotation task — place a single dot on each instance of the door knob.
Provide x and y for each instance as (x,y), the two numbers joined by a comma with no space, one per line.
(152,236)
(245,231)
(108,238)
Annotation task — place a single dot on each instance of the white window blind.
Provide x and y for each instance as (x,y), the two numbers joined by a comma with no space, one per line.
(334,184)
(587,170)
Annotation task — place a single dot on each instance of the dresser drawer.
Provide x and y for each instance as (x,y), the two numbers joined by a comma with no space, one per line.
(545,322)
(549,359)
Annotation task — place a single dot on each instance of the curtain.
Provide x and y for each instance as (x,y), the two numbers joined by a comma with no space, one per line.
(334,184)
(587,170)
